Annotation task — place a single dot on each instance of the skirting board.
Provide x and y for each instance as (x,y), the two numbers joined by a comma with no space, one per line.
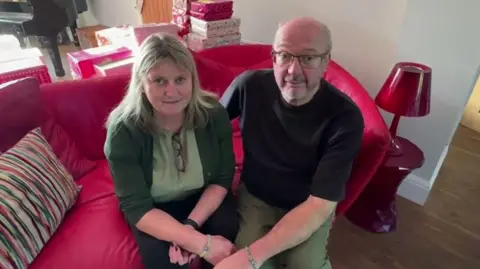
(415,189)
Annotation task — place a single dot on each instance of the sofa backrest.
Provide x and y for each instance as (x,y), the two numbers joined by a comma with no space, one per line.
(81,107)
(340,78)
(241,57)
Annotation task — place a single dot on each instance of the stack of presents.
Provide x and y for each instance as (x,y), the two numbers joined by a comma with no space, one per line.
(207,23)
(17,63)
(198,24)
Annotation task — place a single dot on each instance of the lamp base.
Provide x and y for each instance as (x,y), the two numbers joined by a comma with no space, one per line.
(395,148)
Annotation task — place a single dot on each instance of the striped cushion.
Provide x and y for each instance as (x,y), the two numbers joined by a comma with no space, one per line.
(35,193)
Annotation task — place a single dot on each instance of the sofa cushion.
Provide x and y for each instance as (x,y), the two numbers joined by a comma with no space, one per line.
(20,110)
(81,107)
(214,77)
(36,191)
(94,235)
(96,185)
(65,149)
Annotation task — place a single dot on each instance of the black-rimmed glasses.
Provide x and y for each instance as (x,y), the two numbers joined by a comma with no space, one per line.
(283,58)
(180,158)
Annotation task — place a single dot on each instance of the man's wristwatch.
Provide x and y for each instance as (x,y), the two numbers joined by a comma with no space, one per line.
(191,223)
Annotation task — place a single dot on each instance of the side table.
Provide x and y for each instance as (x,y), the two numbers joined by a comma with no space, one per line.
(375,209)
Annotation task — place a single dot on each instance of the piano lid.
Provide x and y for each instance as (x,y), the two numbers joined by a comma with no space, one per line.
(15,12)
(16,7)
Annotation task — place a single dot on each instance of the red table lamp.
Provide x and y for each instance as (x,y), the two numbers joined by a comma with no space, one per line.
(406,92)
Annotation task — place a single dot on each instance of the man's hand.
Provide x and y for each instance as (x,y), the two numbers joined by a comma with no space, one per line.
(239,260)
(220,248)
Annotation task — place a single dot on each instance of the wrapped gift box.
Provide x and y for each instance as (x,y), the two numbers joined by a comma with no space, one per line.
(120,67)
(210,6)
(199,42)
(82,62)
(132,37)
(86,36)
(9,42)
(120,36)
(143,31)
(212,25)
(182,4)
(181,17)
(212,16)
(217,32)
(30,67)
(13,54)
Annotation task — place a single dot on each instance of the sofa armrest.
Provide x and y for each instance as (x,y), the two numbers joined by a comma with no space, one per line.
(366,164)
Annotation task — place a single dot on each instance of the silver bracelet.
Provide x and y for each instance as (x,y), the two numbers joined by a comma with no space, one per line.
(250,258)
(206,249)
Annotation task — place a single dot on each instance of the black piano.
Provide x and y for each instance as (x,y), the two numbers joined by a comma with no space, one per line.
(44,18)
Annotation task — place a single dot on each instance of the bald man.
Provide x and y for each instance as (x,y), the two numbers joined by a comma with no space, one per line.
(300,137)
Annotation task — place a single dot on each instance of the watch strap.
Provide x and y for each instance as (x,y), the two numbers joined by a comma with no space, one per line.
(192,223)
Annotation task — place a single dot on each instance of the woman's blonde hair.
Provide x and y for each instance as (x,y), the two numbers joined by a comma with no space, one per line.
(136,109)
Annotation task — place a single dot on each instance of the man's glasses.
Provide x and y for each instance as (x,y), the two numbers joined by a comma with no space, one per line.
(180,159)
(313,61)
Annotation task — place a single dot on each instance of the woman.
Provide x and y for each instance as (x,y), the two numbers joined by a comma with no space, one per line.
(169,147)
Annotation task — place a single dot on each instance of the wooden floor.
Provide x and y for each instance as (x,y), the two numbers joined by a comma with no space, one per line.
(444,234)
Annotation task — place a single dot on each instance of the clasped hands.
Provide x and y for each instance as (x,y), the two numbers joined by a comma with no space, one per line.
(222,254)
(220,248)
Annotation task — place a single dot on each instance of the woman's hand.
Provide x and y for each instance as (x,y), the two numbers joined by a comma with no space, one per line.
(220,248)
(180,256)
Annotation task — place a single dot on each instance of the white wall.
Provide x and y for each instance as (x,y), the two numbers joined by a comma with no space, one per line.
(370,36)
(445,35)
(110,13)
(364,33)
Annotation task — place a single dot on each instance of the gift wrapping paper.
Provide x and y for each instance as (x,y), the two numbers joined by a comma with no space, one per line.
(82,62)
(30,67)
(86,36)
(216,32)
(199,42)
(120,67)
(132,37)
(181,17)
(142,32)
(211,25)
(120,36)
(13,54)
(212,16)
(182,4)
(9,42)
(210,6)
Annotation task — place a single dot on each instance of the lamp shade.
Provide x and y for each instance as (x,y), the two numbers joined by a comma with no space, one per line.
(406,91)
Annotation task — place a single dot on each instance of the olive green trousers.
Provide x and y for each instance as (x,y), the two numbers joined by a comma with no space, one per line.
(256,220)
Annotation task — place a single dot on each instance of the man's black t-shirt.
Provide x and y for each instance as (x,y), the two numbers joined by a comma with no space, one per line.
(292,152)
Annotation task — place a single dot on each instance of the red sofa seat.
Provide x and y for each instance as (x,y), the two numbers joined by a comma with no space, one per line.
(94,234)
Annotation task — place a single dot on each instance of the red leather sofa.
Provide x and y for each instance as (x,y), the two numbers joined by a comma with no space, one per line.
(94,234)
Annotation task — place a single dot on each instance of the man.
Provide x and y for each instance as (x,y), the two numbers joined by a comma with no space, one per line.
(300,138)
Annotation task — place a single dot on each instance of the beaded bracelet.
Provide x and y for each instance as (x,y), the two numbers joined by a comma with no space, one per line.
(206,248)
(250,258)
